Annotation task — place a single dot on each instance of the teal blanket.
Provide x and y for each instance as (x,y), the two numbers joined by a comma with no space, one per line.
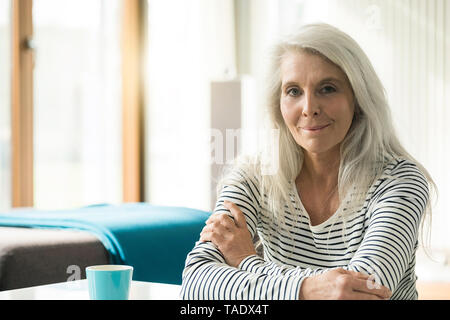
(155,240)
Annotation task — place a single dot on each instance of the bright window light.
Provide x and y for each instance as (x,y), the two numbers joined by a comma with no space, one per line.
(77,103)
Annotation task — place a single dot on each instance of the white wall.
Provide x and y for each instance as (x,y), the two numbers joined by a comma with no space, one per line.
(188,47)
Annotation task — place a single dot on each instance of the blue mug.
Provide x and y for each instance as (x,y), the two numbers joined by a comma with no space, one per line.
(109,282)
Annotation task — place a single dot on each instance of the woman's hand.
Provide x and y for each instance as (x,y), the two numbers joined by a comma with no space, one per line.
(340,284)
(232,238)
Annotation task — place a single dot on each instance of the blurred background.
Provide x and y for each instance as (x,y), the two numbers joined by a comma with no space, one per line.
(110,101)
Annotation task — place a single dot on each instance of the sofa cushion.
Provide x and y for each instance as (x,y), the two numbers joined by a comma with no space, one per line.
(31,257)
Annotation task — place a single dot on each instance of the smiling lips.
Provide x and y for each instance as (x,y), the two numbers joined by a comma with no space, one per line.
(315,128)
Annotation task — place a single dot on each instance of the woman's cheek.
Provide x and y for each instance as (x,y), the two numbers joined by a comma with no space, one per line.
(287,112)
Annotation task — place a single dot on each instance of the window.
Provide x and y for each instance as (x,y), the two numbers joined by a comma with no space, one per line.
(5,102)
(77,103)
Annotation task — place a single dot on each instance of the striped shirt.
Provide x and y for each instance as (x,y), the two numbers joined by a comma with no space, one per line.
(381,238)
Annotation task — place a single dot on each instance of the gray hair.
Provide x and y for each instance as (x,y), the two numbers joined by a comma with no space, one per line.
(371,141)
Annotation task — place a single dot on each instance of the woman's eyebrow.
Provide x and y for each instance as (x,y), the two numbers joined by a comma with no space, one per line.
(327,79)
(289,83)
(330,79)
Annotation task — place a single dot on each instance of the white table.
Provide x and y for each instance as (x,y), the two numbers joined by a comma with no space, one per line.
(78,290)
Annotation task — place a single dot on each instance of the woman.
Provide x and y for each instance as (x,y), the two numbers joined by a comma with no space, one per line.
(340,217)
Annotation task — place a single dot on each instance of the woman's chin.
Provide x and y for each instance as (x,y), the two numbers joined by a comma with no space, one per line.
(319,148)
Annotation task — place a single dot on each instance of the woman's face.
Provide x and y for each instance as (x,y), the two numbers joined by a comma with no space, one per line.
(317,102)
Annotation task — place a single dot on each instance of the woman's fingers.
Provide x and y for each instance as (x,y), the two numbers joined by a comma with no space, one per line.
(239,217)
(226,221)
(221,219)
(212,235)
(359,285)
(368,286)
(358,274)
(217,228)
(229,233)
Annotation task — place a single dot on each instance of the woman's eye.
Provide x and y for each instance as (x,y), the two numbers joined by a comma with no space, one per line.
(293,92)
(327,89)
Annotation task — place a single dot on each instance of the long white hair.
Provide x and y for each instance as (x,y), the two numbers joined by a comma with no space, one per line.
(370,143)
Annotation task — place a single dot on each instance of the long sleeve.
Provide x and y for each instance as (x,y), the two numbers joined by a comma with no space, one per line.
(390,242)
(207,276)
(388,247)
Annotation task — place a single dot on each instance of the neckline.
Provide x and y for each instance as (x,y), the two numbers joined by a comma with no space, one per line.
(302,207)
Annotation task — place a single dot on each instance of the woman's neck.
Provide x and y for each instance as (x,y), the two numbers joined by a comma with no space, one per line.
(321,169)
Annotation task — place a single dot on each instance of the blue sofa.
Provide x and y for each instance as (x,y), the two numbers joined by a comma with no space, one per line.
(39,247)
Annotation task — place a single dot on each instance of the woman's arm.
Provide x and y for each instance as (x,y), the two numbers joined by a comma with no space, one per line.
(229,234)
(207,275)
(234,240)
(389,243)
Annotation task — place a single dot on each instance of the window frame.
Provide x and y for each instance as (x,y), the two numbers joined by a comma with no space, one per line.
(22,174)
(22,59)
(132,100)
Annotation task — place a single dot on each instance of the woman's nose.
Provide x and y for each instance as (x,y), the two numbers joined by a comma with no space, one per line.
(310,106)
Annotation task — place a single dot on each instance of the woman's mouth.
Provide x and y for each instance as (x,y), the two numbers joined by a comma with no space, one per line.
(315,128)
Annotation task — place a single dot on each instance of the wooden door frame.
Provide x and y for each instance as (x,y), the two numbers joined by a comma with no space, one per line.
(22,174)
(132,100)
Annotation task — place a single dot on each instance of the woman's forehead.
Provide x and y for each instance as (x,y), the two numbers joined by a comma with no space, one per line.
(306,67)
